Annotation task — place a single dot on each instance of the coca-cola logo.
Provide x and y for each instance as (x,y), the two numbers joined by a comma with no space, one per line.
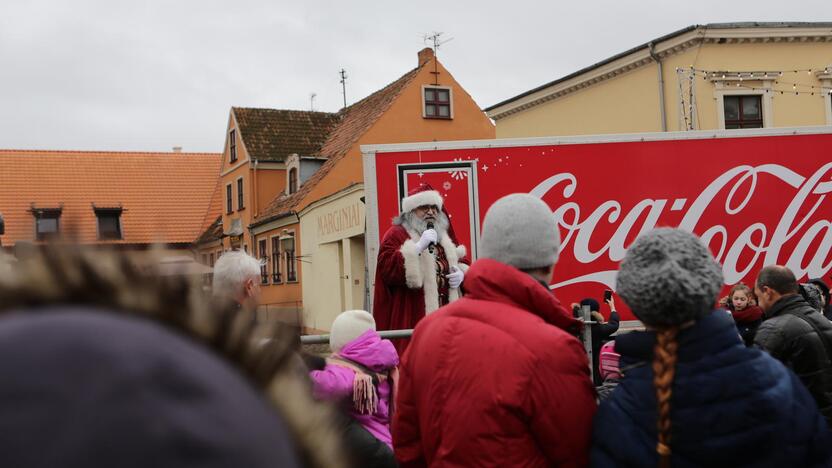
(756,238)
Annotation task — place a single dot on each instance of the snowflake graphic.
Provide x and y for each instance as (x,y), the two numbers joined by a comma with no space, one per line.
(446,185)
(458,175)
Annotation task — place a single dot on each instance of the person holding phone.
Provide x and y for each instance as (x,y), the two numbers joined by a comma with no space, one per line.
(601,330)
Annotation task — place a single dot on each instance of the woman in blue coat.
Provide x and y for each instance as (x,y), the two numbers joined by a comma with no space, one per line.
(692,394)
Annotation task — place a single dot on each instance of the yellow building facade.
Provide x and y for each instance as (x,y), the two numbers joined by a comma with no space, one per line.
(715,76)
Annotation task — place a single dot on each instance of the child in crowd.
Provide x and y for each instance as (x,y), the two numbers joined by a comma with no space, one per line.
(609,370)
(746,314)
(361,375)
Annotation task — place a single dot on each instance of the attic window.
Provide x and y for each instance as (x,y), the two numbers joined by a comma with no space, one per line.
(109,223)
(232,145)
(437,103)
(47,222)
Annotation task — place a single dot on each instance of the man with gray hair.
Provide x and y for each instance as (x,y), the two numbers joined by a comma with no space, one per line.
(795,333)
(495,378)
(237,277)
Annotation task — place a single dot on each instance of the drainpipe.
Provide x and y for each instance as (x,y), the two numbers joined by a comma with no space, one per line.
(254,191)
(652,49)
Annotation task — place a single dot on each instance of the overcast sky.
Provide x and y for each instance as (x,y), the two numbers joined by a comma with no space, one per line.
(149,75)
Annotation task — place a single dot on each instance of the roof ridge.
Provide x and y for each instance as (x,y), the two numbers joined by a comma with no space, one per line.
(379,91)
(671,35)
(282,110)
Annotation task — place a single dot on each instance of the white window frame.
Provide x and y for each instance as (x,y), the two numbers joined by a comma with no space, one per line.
(825,78)
(722,89)
(264,259)
(290,234)
(450,99)
(279,259)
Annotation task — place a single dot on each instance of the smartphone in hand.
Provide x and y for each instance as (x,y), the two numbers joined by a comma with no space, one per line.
(607,295)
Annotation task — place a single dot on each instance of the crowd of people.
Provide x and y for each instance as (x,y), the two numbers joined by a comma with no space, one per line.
(110,365)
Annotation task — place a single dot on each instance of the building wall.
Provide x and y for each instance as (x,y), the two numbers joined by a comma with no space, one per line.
(271,180)
(333,239)
(281,301)
(629,102)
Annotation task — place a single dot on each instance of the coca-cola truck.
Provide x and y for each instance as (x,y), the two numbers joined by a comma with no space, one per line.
(756,197)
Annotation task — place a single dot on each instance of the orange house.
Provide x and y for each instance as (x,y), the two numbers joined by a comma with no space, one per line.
(128,200)
(312,246)
(259,142)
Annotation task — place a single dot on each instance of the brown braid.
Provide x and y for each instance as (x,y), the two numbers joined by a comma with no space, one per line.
(664,369)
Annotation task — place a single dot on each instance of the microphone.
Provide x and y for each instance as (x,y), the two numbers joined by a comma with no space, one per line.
(430,246)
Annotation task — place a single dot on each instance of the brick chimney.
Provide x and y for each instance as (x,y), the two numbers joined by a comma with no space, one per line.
(425,55)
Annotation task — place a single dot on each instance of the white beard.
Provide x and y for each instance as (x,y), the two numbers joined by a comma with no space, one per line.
(411,222)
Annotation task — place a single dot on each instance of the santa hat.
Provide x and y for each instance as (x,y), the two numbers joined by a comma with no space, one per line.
(422,194)
(348,326)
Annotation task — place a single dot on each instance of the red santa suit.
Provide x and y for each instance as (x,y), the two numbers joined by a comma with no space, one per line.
(407,284)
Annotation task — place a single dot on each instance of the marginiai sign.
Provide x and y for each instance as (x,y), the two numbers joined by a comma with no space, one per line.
(756,197)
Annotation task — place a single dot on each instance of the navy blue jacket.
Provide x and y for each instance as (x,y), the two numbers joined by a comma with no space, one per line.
(731,406)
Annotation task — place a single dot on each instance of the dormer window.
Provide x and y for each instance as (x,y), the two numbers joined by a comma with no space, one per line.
(232,145)
(293,165)
(293,180)
(437,102)
(47,222)
(109,223)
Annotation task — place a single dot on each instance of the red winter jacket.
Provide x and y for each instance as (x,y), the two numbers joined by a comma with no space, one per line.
(493,379)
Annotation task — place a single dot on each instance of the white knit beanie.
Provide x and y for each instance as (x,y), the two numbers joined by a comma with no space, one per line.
(520,230)
(348,326)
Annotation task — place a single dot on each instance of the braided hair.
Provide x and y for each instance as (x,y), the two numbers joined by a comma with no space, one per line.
(664,369)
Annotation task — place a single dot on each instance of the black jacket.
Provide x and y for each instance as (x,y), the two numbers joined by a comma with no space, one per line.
(786,333)
(601,333)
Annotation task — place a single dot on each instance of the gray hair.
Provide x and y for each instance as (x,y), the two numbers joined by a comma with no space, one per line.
(231,272)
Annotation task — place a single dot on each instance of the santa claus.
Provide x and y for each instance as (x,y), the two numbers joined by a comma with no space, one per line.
(420,266)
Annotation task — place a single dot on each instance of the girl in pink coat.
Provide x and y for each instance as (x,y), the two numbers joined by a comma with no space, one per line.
(361,373)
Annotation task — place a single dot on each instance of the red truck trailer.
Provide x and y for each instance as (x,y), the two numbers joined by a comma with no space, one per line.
(757,197)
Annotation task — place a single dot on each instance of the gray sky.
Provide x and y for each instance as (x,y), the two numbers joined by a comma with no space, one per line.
(148,75)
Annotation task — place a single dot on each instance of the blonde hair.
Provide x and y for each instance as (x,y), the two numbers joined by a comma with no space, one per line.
(739,287)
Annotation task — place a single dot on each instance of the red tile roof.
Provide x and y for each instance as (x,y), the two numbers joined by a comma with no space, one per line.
(355,121)
(274,134)
(165,197)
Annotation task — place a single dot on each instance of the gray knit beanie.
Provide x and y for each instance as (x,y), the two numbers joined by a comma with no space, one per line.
(520,230)
(669,277)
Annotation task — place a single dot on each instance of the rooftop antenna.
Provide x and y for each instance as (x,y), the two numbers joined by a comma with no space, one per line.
(312,101)
(437,42)
(344,86)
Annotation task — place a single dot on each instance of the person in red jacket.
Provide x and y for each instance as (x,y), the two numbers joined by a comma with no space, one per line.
(420,264)
(496,378)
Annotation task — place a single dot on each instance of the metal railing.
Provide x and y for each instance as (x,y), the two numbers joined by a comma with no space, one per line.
(388,334)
